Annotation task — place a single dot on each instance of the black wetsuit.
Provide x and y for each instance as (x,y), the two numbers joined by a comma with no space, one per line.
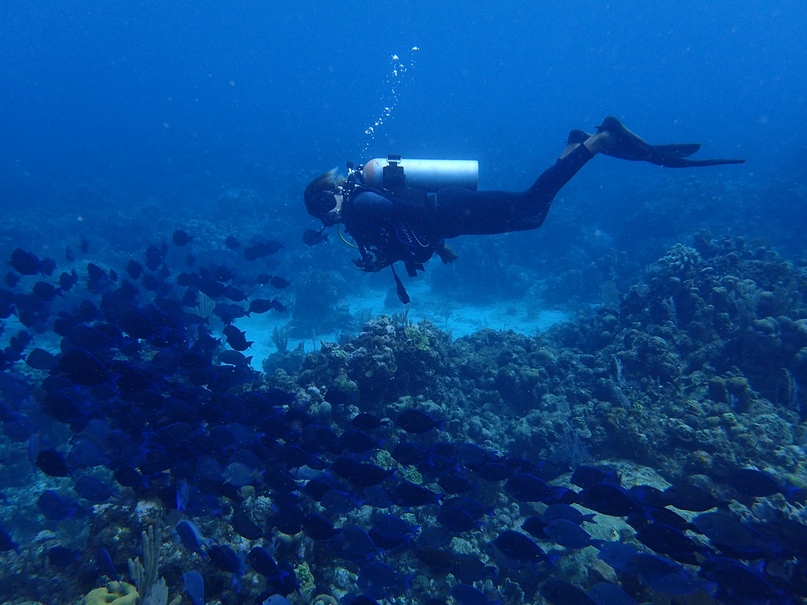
(390,227)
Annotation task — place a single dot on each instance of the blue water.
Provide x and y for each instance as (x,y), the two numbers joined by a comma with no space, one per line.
(122,121)
(126,104)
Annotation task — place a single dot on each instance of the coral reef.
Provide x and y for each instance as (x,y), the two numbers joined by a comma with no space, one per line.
(697,368)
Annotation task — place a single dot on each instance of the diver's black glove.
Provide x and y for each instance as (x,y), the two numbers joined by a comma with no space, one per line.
(629,146)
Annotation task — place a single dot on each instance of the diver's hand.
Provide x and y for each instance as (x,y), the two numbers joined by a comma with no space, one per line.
(446,254)
(368,266)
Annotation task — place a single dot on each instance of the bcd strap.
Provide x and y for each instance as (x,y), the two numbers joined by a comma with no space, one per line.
(403,296)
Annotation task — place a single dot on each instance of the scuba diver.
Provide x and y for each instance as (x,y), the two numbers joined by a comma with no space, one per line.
(393,215)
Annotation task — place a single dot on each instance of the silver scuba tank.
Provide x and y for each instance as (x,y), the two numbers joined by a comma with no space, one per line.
(393,172)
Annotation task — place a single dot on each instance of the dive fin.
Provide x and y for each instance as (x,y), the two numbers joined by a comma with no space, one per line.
(682,150)
(629,146)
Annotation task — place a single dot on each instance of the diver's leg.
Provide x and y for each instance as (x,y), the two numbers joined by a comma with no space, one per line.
(463,212)
(573,158)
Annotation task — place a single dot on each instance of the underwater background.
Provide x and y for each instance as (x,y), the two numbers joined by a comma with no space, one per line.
(198,406)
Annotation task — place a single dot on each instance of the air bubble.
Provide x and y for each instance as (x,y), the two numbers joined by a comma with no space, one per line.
(395,80)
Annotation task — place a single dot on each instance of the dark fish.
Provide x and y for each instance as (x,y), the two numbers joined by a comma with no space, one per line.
(465,594)
(61,556)
(234,294)
(289,518)
(415,421)
(191,536)
(409,453)
(244,526)
(356,442)
(128,476)
(187,280)
(318,528)
(339,396)
(52,463)
(564,511)
(353,544)
(181,238)
(586,476)
(45,291)
(84,245)
(262,305)
(662,575)
(560,592)
(105,565)
(493,471)
(361,600)
(61,406)
(568,534)
(471,455)
(455,483)
(434,537)
(262,249)
(69,255)
(85,451)
(262,562)
(137,324)
(388,532)
(473,507)
(278,282)
(648,514)
(6,542)
(648,495)
(154,258)
(234,358)
(40,359)
(68,280)
(754,483)
(225,558)
(211,288)
(454,519)
(527,488)
(729,534)
(359,473)
(408,494)
(603,593)
(691,498)
(47,266)
(232,243)
(470,569)
(378,580)
(56,507)
(516,547)
(12,279)
(194,586)
(83,367)
(671,542)
(312,237)
(152,283)
(740,584)
(24,263)
(94,490)
(534,526)
(228,312)
(236,338)
(338,502)
(608,499)
(365,421)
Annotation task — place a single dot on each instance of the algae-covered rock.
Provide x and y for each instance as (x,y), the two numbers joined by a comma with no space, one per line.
(114,593)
